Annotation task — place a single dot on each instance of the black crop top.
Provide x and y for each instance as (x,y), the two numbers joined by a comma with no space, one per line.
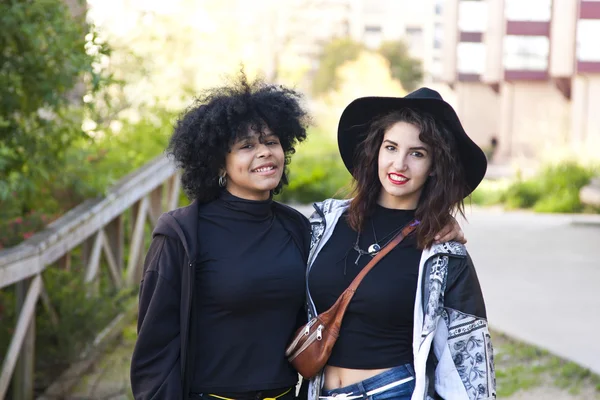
(377,329)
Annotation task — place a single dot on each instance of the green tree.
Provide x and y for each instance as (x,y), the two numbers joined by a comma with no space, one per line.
(43,56)
(334,54)
(406,69)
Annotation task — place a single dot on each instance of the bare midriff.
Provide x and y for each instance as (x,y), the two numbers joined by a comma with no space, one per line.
(338,377)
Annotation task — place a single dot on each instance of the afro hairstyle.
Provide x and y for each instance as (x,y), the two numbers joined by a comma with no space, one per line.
(204,133)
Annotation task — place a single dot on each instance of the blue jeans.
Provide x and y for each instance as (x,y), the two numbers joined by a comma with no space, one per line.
(361,389)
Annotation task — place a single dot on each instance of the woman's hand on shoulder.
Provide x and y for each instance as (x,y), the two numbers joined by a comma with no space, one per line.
(452,231)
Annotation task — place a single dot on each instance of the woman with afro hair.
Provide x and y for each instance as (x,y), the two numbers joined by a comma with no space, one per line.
(223,284)
(223,288)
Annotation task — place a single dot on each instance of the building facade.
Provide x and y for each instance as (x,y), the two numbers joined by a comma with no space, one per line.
(418,23)
(525,73)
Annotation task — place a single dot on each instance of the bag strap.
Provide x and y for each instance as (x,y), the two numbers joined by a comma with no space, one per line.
(407,230)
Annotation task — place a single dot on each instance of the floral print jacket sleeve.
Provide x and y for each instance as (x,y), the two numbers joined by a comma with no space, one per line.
(453,335)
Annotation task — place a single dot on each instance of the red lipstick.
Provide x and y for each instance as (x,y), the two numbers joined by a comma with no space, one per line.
(398,179)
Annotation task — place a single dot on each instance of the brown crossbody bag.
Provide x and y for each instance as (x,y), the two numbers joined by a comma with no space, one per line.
(312,344)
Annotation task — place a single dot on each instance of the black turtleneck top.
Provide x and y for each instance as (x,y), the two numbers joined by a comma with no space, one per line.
(250,290)
(377,328)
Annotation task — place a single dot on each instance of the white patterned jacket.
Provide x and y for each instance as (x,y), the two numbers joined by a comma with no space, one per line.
(453,355)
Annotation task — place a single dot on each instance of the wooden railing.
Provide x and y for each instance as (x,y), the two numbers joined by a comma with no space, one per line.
(97,228)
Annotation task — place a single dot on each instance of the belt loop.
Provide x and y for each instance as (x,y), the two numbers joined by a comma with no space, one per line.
(410,369)
(363,392)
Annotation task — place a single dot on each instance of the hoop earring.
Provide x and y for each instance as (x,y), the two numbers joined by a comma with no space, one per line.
(222,181)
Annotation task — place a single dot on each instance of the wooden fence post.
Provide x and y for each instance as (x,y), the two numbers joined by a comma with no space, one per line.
(156,204)
(135,264)
(24,373)
(65,261)
(173,194)
(86,252)
(115,234)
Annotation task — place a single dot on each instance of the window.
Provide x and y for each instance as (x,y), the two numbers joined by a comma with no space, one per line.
(375,6)
(470,58)
(438,35)
(414,38)
(436,68)
(372,36)
(588,31)
(472,16)
(526,53)
(529,10)
(439,7)
(414,31)
(372,29)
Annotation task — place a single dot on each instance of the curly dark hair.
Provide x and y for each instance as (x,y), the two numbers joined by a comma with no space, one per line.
(442,195)
(204,133)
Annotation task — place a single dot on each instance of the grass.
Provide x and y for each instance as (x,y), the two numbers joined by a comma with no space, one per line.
(520,366)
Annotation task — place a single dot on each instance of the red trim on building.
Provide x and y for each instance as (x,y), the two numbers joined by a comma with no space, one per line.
(589,10)
(462,77)
(588,66)
(524,75)
(528,28)
(471,37)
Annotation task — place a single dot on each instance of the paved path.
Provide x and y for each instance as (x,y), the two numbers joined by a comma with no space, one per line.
(541,275)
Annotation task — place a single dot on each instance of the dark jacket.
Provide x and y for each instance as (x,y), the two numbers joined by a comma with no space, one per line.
(160,368)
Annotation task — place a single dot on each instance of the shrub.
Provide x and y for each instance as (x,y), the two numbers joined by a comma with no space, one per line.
(18,229)
(316,177)
(119,153)
(489,193)
(523,194)
(82,314)
(554,189)
(334,53)
(404,68)
(91,168)
(561,187)
(44,72)
(316,172)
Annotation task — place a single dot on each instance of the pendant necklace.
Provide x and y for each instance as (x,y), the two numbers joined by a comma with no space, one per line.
(375,247)
(360,251)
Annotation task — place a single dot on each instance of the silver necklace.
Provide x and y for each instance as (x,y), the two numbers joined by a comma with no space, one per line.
(375,247)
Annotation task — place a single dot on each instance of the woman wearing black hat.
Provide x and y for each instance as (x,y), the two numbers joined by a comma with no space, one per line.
(416,327)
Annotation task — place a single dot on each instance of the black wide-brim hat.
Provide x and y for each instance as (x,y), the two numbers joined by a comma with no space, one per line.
(358,115)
